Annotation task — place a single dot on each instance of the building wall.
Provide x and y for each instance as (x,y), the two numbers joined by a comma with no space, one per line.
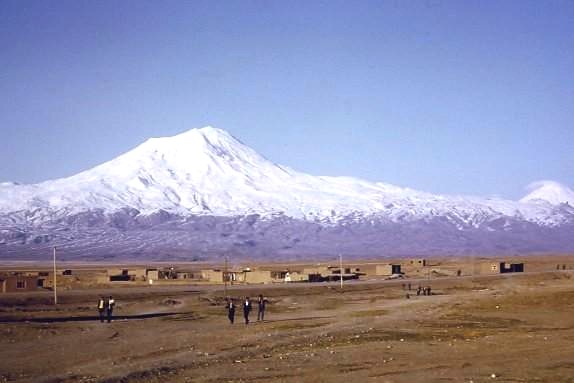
(511,267)
(419,262)
(257,276)
(384,270)
(323,270)
(215,276)
(490,268)
(187,275)
(298,277)
(17,283)
(367,269)
(501,267)
(152,274)
(138,273)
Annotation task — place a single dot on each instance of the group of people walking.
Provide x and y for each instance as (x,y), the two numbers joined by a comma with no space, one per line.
(420,290)
(247,306)
(106,308)
(424,290)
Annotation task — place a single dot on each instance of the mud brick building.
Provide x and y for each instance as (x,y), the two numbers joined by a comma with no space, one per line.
(18,282)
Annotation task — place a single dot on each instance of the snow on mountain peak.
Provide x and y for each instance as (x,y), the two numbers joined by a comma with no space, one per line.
(549,191)
(208,171)
(200,136)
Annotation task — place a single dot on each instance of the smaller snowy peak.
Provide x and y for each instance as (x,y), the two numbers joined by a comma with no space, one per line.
(550,191)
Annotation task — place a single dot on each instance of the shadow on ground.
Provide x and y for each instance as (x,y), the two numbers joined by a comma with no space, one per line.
(85,318)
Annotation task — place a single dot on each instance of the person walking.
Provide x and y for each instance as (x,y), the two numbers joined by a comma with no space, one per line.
(101,308)
(246,309)
(261,303)
(230,310)
(110,308)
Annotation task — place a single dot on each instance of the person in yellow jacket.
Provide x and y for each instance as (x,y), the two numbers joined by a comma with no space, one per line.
(101,308)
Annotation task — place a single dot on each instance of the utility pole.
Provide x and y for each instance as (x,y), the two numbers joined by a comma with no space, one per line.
(55,286)
(341,269)
(225,276)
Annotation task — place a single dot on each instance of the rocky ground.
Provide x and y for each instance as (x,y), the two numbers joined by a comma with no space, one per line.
(511,328)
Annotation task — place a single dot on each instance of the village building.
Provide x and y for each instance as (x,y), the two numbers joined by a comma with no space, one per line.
(295,276)
(252,276)
(501,268)
(419,262)
(218,275)
(262,276)
(73,278)
(330,273)
(127,274)
(388,269)
(152,274)
(18,282)
(374,269)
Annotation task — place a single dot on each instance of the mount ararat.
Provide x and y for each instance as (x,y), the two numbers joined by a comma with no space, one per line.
(203,193)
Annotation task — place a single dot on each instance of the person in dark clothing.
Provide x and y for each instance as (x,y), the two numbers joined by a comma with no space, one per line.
(419,290)
(246,309)
(429,290)
(231,310)
(110,308)
(101,308)
(261,303)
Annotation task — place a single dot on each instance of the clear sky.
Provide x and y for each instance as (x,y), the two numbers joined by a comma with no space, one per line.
(458,97)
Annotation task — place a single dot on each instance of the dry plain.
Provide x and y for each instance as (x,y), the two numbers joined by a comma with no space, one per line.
(503,328)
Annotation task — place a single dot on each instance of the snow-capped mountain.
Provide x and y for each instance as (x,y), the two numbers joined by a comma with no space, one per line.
(206,173)
(549,191)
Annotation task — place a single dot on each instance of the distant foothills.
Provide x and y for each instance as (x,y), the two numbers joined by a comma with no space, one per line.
(203,194)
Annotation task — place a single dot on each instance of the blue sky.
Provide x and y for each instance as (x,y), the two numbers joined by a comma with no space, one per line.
(458,97)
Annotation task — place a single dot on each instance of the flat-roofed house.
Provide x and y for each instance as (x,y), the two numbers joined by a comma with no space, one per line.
(17,282)
(501,268)
(387,269)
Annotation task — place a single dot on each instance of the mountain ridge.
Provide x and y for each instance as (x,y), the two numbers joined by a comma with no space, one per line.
(209,173)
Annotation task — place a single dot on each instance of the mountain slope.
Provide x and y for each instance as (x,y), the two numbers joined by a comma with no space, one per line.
(206,172)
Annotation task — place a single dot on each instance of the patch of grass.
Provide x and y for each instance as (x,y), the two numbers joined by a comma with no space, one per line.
(277,309)
(564,364)
(298,326)
(351,367)
(476,322)
(369,313)
(375,336)
(330,304)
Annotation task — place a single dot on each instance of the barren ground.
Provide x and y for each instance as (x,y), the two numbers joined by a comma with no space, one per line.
(518,327)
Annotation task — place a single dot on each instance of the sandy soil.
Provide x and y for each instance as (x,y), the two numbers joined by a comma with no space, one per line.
(512,328)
